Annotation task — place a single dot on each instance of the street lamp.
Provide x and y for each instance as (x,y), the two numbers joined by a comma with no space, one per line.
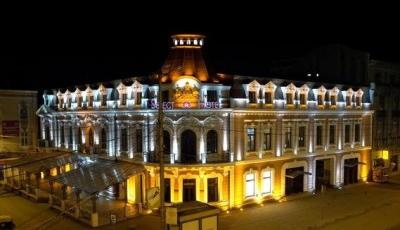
(164,72)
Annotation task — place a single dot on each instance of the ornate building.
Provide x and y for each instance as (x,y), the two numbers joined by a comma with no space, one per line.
(229,140)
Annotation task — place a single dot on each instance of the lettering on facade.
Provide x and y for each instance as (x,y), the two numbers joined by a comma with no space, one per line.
(170,105)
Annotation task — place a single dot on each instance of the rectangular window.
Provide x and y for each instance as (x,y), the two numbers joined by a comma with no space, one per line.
(251,139)
(250,184)
(348,101)
(347,134)
(138,99)
(302,99)
(123,99)
(104,100)
(267,139)
(319,135)
(267,182)
(252,97)
(288,138)
(90,101)
(289,99)
(302,136)
(139,140)
(165,96)
(212,96)
(268,98)
(69,101)
(332,134)
(358,101)
(333,100)
(212,189)
(124,139)
(357,132)
(320,100)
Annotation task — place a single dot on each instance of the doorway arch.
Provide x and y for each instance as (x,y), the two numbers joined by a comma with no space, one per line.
(188,146)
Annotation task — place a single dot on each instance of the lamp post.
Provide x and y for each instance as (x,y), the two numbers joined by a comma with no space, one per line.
(164,71)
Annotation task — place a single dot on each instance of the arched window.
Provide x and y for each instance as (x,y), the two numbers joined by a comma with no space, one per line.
(103,138)
(90,137)
(166,142)
(124,139)
(212,141)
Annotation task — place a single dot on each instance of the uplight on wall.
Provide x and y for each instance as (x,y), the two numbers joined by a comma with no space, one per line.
(385,154)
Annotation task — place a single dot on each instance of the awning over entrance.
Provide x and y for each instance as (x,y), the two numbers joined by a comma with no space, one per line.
(297,173)
(100,175)
(41,163)
(354,164)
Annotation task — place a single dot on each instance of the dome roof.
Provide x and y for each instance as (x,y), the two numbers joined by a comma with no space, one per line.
(185,58)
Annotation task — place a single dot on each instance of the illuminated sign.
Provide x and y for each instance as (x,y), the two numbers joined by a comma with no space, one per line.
(187,105)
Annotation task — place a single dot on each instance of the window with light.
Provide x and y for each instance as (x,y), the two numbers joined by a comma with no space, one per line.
(250,184)
(267,182)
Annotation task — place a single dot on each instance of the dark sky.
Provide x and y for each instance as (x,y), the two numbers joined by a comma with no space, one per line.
(60,58)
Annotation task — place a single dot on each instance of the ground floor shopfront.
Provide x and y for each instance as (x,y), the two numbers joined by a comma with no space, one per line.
(232,185)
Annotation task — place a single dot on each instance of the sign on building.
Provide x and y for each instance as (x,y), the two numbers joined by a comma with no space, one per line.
(10,128)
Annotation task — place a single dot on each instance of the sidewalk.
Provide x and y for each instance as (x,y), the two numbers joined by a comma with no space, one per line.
(364,206)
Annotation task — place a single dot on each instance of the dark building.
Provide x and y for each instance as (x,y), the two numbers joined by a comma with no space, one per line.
(338,63)
(330,63)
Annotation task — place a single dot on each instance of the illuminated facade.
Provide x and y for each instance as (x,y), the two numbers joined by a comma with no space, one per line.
(228,140)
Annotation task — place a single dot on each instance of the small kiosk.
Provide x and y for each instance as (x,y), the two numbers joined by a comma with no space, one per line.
(192,215)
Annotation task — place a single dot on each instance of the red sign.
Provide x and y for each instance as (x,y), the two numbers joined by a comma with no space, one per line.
(10,128)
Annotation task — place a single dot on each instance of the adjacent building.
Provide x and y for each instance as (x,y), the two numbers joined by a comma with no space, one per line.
(385,78)
(228,140)
(18,121)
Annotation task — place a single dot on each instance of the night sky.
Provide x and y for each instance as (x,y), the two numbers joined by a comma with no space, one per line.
(53,59)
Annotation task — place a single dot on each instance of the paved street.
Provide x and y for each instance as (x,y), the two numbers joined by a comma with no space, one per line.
(362,206)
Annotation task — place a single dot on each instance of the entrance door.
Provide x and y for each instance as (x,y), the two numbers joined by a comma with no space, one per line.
(188,146)
(294,180)
(189,190)
(350,171)
(322,173)
(167,194)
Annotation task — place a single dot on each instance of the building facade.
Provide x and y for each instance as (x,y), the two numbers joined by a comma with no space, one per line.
(18,127)
(228,140)
(386,147)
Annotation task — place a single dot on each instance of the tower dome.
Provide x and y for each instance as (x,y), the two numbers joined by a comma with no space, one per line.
(185,58)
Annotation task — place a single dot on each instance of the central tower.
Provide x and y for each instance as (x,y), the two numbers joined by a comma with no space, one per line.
(185,58)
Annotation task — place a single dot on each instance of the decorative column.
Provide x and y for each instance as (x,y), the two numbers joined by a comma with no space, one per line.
(174,145)
(110,134)
(146,139)
(311,134)
(278,145)
(52,127)
(132,140)
(66,136)
(225,134)
(118,139)
(202,151)
(340,133)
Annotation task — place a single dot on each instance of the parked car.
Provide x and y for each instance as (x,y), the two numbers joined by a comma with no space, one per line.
(6,222)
